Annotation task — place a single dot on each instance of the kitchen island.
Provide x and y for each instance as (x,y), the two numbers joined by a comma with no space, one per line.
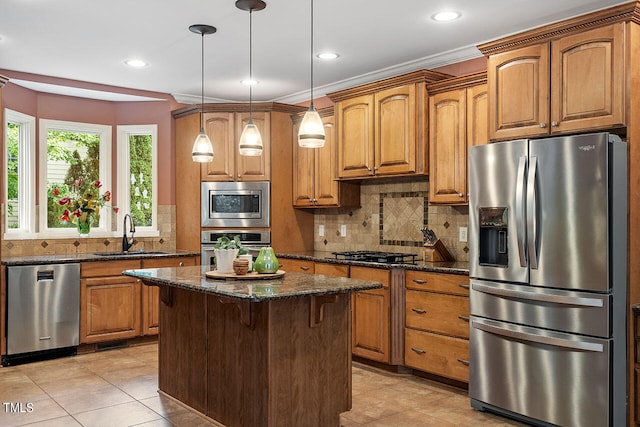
(270,352)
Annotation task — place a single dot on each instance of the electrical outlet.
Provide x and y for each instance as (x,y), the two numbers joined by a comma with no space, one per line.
(343,230)
(462,234)
(321,230)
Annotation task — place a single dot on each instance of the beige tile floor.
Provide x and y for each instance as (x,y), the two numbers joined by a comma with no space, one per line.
(118,388)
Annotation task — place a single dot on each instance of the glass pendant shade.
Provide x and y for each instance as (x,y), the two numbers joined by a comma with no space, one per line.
(250,141)
(311,132)
(202,150)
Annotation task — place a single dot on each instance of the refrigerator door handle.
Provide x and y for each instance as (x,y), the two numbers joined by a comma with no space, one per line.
(539,339)
(532,228)
(520,203)
(532,296)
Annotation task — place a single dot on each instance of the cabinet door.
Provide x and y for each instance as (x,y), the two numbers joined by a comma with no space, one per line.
(254,168)
(355,121)
(326,184)
(519,92)
(221,130)
(588,83)
(395,131)
(448,147)
(304,163)
(110,309)
(370,314)
(477,116)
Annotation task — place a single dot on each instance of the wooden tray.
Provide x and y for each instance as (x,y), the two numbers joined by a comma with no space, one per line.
(249,276)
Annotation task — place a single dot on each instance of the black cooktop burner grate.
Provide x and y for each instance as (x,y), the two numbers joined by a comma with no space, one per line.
(375,256)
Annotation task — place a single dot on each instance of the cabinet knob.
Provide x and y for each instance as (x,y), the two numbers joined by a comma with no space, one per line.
(418,350)
(460,195)
(463,286)
(464,362)
(181,264)
(419,310)
(304,268)
(554,124)
(230,177)
(420,281)
(543,125)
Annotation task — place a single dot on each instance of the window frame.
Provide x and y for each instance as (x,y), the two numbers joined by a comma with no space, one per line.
(124,176)
(104,228)
(26,181)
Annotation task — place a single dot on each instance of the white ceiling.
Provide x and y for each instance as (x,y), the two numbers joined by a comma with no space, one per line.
(90,40)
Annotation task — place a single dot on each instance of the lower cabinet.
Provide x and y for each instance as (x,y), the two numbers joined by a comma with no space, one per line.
(296,265)
(113,306)
(370,316)
(328,269)
(436,334)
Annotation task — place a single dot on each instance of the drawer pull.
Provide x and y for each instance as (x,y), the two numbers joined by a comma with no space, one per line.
(419,310)
(304,268)
(464,362)
(417,350)
(463,286)
(420,281)
(181,264)
(465,318)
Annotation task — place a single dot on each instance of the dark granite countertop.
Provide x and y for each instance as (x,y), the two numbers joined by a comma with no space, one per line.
(96,256)
(288,286)
(455,267)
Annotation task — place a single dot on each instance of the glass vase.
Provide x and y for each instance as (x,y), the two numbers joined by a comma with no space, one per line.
(84,224)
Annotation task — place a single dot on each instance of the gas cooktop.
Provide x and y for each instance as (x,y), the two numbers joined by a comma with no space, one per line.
(375,256)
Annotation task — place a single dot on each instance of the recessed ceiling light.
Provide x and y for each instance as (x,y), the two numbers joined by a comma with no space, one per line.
(327,55)
(447,15)
(249,82)
(136,63)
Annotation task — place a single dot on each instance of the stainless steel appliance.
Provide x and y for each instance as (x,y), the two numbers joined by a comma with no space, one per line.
(253,240)
(548,248)
(235,204)
(43,310)
(376,256)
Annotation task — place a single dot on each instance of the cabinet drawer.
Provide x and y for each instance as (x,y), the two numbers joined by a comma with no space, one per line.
(168,262)
(437,354)
(296,265)
(108,268)
(437,282)
(446,314)
(336,270)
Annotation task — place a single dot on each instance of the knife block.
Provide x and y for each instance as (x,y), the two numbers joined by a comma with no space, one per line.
(437,252)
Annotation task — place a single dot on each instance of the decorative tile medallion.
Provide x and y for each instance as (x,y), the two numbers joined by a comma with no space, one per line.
(402,214)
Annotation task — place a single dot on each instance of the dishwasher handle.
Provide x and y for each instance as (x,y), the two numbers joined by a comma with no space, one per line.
(45,275)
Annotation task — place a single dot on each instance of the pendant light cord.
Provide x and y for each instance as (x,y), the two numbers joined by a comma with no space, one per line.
(311,105)
(202,87)
(250,64)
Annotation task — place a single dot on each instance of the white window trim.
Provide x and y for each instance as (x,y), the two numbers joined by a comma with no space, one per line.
(27,180)
(104,228)
(124,177)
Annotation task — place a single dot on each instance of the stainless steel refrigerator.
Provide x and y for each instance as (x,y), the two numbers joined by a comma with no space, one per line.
(548,274)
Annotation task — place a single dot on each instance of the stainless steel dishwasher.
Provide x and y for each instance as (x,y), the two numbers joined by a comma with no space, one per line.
(43,311)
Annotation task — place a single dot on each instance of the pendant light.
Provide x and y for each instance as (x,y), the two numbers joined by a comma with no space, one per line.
(202,150)
(311,132)
(250,140)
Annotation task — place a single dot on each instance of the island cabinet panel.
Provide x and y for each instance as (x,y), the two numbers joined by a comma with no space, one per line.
(569,83)
(271,384)
(436,333)
(182,347)
(151,294)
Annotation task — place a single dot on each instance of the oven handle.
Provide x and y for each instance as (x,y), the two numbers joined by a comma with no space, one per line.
(556,342)
(556,299)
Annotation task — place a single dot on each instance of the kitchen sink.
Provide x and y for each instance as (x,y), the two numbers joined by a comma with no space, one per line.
(130,253)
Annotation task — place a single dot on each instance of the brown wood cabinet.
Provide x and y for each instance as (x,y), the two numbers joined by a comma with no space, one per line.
(297,265)
(457,120)
(437,324)
(113,306)
(381,127)
(328,269)
(315,183)
(151,294)
(571,81)
(224,130)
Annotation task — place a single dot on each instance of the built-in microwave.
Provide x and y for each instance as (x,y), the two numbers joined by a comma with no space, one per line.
(235,204)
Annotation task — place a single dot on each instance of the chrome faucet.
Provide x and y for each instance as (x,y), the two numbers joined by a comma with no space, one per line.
(127,243)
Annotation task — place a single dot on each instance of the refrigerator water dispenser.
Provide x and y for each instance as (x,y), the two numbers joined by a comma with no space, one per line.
(493,237)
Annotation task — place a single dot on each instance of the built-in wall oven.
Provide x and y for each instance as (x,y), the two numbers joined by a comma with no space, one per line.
(235,204)
(253,240)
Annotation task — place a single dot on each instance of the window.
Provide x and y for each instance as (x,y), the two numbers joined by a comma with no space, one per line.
(20,131)
(69,151)
(137,177)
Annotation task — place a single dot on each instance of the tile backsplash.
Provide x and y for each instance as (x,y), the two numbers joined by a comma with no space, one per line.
(390,218)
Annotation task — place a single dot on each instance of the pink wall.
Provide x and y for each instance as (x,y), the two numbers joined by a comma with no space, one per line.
(58,107)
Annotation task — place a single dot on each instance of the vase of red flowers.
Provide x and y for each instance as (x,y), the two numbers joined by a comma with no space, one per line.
(83,204)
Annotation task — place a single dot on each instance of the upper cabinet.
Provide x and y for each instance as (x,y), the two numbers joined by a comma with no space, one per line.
(458,111)
(224,130)
(381,127)
(571,81)
(314,172)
